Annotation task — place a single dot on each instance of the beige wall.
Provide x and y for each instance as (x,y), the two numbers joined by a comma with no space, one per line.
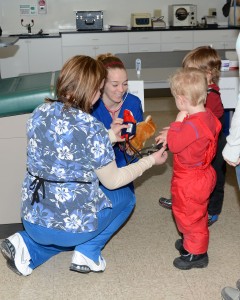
(61,12)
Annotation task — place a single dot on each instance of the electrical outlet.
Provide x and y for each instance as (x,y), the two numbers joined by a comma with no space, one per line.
(212,11)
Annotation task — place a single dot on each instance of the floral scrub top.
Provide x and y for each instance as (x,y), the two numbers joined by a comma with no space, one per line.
(61,189)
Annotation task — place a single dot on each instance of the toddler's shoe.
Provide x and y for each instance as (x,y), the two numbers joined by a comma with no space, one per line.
(165,202)
(229,293)
(179,246)
(212,219)
(15,251)
(188,261)
(238,284)
(83,264)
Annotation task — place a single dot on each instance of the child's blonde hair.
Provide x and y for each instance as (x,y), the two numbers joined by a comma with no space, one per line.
(204,58)
(190,83)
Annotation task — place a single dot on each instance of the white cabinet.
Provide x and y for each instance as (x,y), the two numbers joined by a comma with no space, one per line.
(176,40)
(218,39)
(31,56)
(144,41)
(93,44)
(13,166)
(14,60)
(45,55)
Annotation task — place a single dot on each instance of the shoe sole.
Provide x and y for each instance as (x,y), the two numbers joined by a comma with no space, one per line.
(165,205)
(84,269)
(195,264)
(210,223)
(8,251)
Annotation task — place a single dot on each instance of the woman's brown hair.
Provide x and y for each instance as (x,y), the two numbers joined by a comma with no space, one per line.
(110,61)
(206,59)
(79,80)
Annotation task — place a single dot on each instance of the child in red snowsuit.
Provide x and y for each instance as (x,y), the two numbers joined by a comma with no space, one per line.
(192,139)
(208,60)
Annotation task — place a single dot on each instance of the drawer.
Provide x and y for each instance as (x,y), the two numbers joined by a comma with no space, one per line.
(81,39)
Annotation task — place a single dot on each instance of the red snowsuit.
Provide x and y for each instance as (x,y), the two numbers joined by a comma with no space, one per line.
(193,144)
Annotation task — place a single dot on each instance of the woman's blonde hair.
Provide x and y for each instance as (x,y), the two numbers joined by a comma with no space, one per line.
(190,83)
(79,81)
(204,58)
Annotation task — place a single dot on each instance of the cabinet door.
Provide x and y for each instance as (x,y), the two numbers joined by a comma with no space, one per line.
(45,55)
(14,60)
(68,52)
(219,39)
(144,48)
(13,166)
(111,48)
(176,40)
(144,41)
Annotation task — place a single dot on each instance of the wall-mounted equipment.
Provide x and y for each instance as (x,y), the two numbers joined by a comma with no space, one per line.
(42,7)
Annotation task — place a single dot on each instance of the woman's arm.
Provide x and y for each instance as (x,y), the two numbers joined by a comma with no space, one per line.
(113,177)
(231,151)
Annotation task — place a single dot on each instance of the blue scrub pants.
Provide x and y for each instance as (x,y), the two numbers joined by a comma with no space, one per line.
(43,243)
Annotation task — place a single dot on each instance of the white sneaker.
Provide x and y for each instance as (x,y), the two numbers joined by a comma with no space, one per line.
(15,251)
(229,293)
(83,264)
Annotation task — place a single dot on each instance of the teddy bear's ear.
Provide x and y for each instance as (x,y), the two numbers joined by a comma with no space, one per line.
(150,122)
(148,118)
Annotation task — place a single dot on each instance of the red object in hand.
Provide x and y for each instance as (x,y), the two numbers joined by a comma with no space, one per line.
(131,122)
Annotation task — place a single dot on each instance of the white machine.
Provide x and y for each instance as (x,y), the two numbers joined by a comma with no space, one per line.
(182,15)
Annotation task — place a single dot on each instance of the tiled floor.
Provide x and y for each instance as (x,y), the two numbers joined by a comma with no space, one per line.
(139,258)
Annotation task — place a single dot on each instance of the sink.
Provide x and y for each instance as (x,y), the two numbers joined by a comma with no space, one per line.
(29,34)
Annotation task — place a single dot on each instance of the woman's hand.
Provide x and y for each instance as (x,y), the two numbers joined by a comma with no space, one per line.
(117,126)
(162,137)
(160,156)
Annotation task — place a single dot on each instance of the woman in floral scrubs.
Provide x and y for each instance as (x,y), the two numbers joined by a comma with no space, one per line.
(68,152)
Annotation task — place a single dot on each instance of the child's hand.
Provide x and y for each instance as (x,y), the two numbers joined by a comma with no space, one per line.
(160,156)
(162,137)
(181,116)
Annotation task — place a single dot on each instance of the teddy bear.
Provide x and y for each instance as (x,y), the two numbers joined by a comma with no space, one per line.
(144,131)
